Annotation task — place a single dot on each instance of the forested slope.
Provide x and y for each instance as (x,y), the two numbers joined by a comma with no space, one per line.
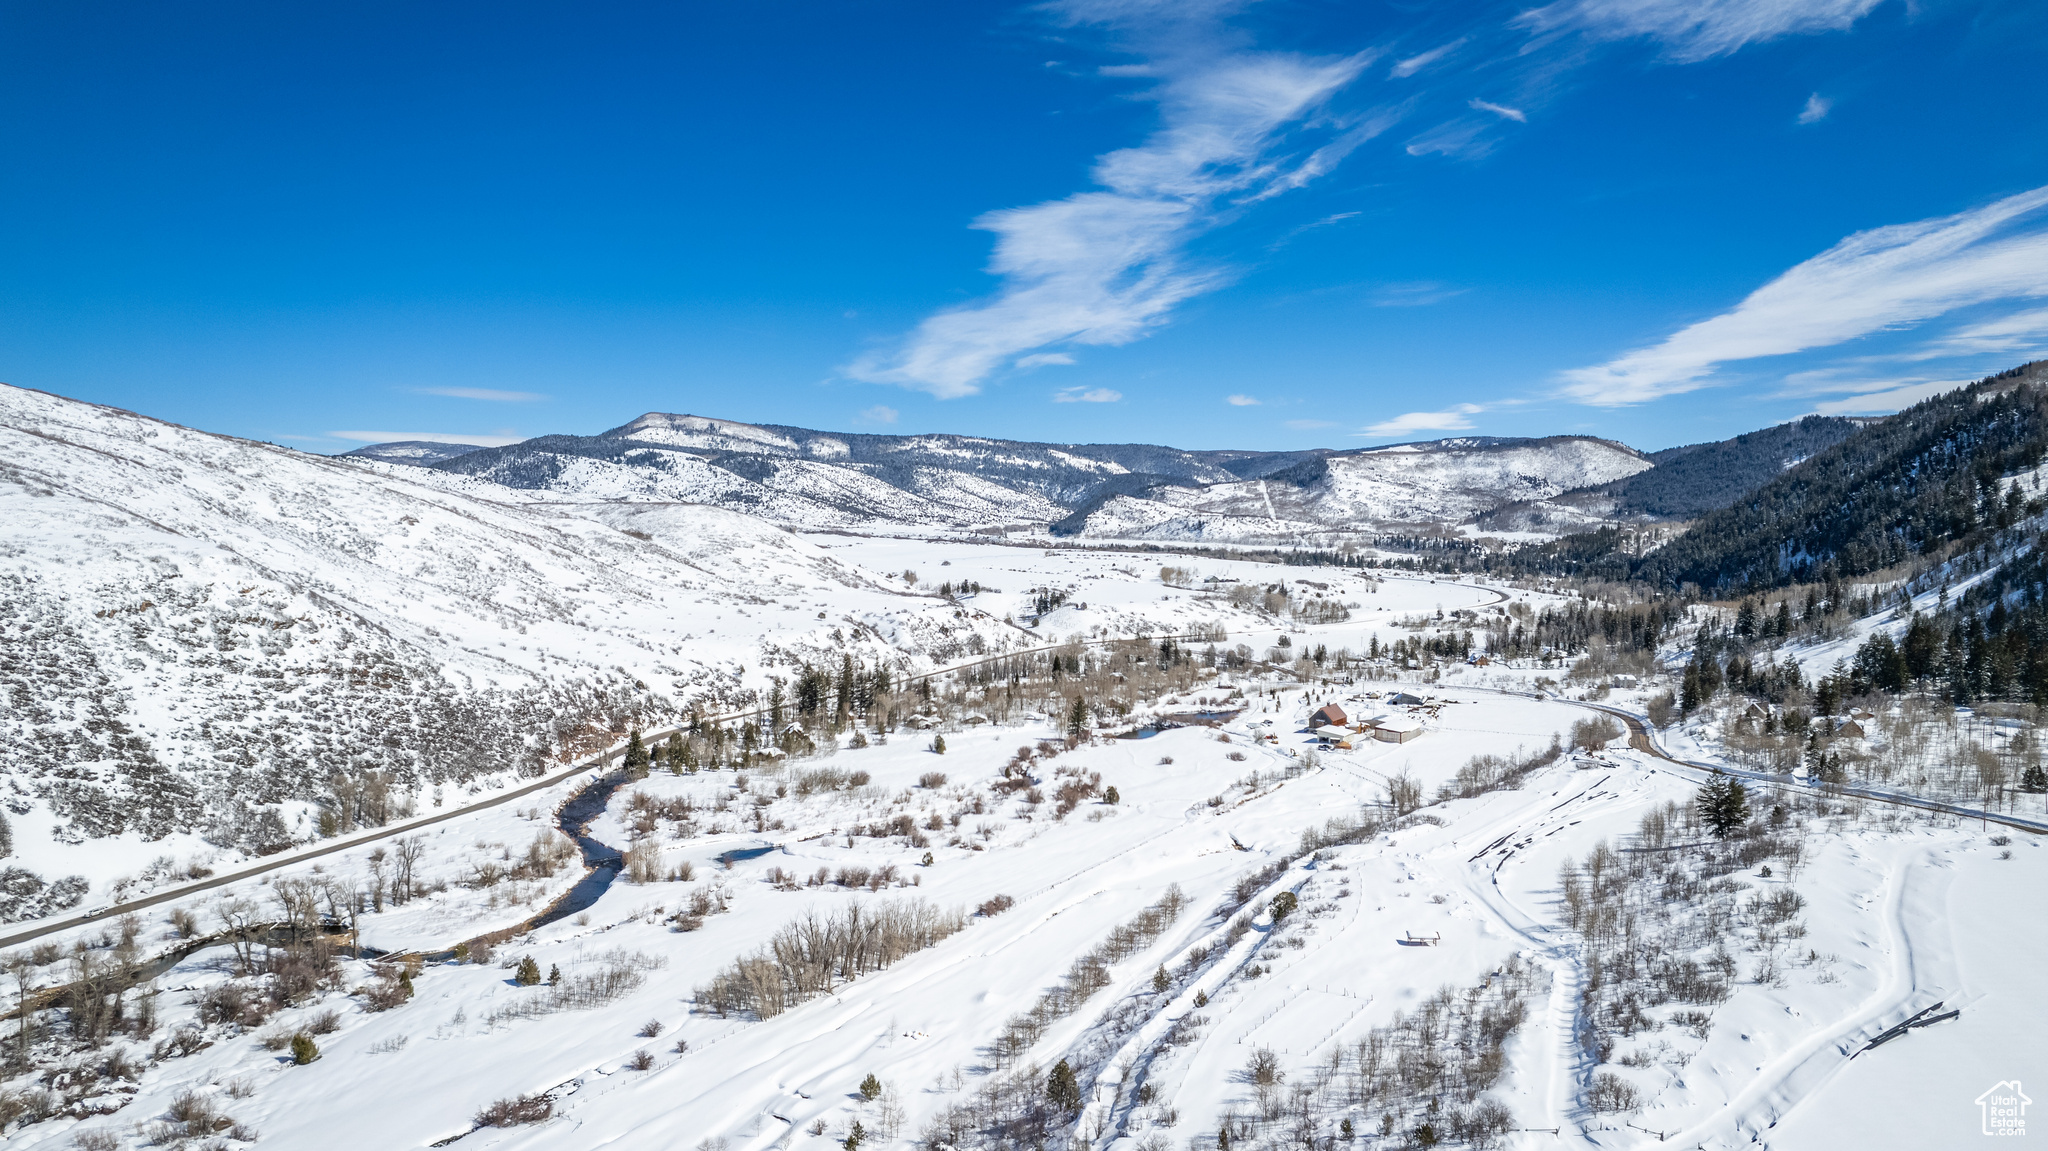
(1916,484)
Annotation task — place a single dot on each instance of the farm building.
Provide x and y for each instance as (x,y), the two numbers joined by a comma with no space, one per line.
(1328,715)
(1397,730)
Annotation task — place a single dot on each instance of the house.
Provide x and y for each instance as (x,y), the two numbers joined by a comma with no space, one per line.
(1397,730)
(1328,715)
(1755,711)
(1403,698)
(1849,729)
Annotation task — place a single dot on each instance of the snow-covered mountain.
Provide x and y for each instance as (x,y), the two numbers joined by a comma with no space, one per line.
(201,631)
(1441,482)
(812,479)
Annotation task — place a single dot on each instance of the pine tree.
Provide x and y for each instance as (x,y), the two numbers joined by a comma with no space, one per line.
(637,759)
(855,1137)
(1160,982)
(1062,1089)
(870,1088)
(1723,805)
(1111,797)
(1223,1137)
(938,745)
(1077,718)
(304,1050)
(2034,779)
(529,972)
(1283,904)
(554,974)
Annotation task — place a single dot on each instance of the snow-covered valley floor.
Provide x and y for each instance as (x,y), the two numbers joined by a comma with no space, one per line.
(1895,913)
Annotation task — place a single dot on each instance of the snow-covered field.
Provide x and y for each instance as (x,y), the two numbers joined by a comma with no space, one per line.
(1898,914)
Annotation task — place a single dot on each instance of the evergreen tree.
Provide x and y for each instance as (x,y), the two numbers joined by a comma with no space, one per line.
(939,745)
(855,1137)
(1223,1137)
(304,1050)
(529,972)
(1062,1089)
(1284,905)
(2034,779)
(870,1088)
(636,756)
(1077,718)
(1723,805)
(405,982)
(554,974)
(1111,797)
(1689,698)
(1160,981)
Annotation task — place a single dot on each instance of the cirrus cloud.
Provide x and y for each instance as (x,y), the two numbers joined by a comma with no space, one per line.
(1086,396)
(1452,419)
(1884,278)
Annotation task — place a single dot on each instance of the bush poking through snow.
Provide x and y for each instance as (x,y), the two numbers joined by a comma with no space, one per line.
(932,780)
(995,905)
(642,1060)
(651,1029)
(515,1111)
(810,956)
(529,973)
(304,1050)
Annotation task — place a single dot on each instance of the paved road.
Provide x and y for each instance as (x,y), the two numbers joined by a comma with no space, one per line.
(294,858)
(1644,740)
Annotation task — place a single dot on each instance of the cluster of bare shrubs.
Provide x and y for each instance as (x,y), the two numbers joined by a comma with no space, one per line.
(1087,975)
(995,905)
(549,851)
(1486,773)
(810,956)
(1421,1077)
(193,1115)
(617,973)
(515,1111)
(1659,919)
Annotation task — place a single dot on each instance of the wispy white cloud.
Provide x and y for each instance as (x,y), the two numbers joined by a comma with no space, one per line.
(491,394)
(1694,30)
(879,414)
(1086,396)
(1107,266)
(1501,110)
(1890,277)
(2018,331)
(1888,400)
(1044,359)
(1403,69)
(1414,295)
(1242,401)
(490,441)
(1816,110)
(1452,419)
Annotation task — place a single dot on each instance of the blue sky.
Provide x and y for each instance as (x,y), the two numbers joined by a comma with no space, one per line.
(1265,225)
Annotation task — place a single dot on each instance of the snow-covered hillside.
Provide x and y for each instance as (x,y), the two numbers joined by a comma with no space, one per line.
(1440,483)
(202,632)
